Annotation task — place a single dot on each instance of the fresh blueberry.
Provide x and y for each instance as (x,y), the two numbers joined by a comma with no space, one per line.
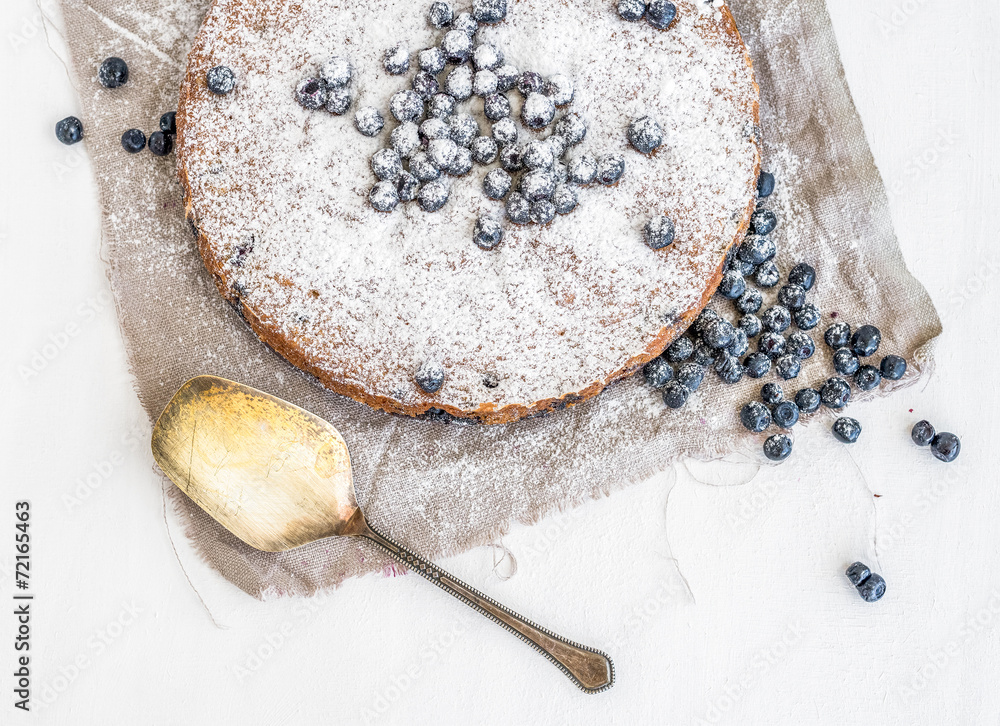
(431,60)
(751,325)
(872,589)
(484,83)
(69,131)
(756,249)
(867,377)
(497,183)
(808,400)
(858,573)
(435,128)
(680,350)
(631,10)
(456,46)
(802,275)
(800,345)
(788,366)
(397,60)
(537,185)
(505,132)
(538,155)
(765,184)
(719,333)
(405,139)
(113,73)
(530,82)
(786,414)
(645,135)
(440,14)
(767,274)
(610,169)
(466,23)
(847,429)
(133,141)
(572,128)
(560,89)
(658,231)
(771,344)
(407,186)
(776,318)
(704,319)
(845,362)
(892,367)
(461,163)
(771,394)
(511,158)
(750,301)
(923,433)
(660,13)
(538,111)
(160,144)
(763,221)
(338,100)
(744,268)
(433,195)
(425,85)
(459,83)
(430,376)
(739,345)
(368,121)
(507,76)
(518,209)
(757,365)
(807,317)
(442,152)
(440,105)
(835,393)
(168,123)
(484,150)
(488,233)
(865,340)
(792,297)
(755,417)
(220,80)
(729,368)
(583,169)
(704,355)
(489,11)
(690,375)
(423,168)
(658,372)
(386,164)
(564,198)
(778,447)
(464,129)
(486,57)
(945,446)
(675,395)
(732,285)
(837,335)
(542,211)
(337,72)
(384,196)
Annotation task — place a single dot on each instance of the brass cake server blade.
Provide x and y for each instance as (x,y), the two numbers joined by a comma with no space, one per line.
(279,477)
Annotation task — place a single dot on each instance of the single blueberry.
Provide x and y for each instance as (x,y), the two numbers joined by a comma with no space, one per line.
(505,132)
(729,368)
(680,350)
(338,100)
(405,139)
(660,13)
(767,274)
(407,186)
(739,345)
(484,83)
(530,82)
(945,446)
(433,195)
(719,333)
(168,123)
(786,414)
(922,433)
(440,105)
(763,221)
(892,367)
(537,185)
(755,417)
(802,275)
(425,85)
(704,355)
(756,249)
(220,80)
(133,141)
(384,196)
(486,57)
(113,73)
(386,164)
(511,158)
(518,209)
(751,325)
(867,377)
(658,231)
(765,184)
(489,11)
(368,121)
(645,135)
(431,60)
(538,155)
(865,340)
(440,14)
(430,376)
(582,170)
(560,89)
(800,345)
(808,400)
(845,362)
(792,297)
(675,395)
(771,344)
(835,393)
(435,128)
(69,131)
(732,285)
(701,323)
(847,429)
(538,111)
(484,150)
(507,76)
(858,573)
(488,233)
(160,144)
(466,23)
(776,318)
(807,317)
(788,366)
(658,372)
(397,60)
(778,447)
(423,168)
(564,198)
(572,128)
(464,129)
(690,375)
(497,183)
(837,335)
(757,365)
(456,46)
(872,589)
(750,301)
(337,71)
(459,83)
(610,169)
(542,211)
(744,268)
(442,153)
(631,10)
(461,163)
(771,394)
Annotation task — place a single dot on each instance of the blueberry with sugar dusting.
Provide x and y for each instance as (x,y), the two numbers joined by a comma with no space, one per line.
(757,365)
(705,318)
(431,60)
(866,340)
(744,268)
(750,301)
(704,355)
(456,46)
(505,132)
(800,345)
(220,80)
(507,76)
(423,168)
(658,231)
(433,195)
(160,144)
(425,85)
(441,105)
(755,417)
(459,83)
(496,107)
(732,285)
(610,169)
(168,123)
(440,14)
(530,82)
(867,377)
(718,333)
(384,196)
(778,447)
(690,375)
(739,345)
(807,317)
(442,152)
(858,573)
(484,150)
(946,446)
(464,129)
(582,170)
(133,141)
(763,221)
(660,13)
(489,11)
(484,83)
(680,350)
(788,366)
(631,10)
(786,414)
(397,60)
(406,105)
(765,184)
(429,376)
(435,128)
(510,158)
(847,429)
(892,367)
(537,185)
(542,211)
(338,100)
(518,209)
(835,393)
(572,128)
(560,89)
(872,589)
(771,394)
(845,362)
(808,400)
(658,372)
(767,274)
(564,198)
(538,155)
(486,57)
(837,335)
(792,297)
(751,325)
(537,111)
(368,121)
(558,145)
(488,233)
(771,344)
(69,130)
(461,163)
(466,23)
(337,71)
(802,275)
(405,139)
(728,368)
(922,433)
(675,395)
(645,135)
(407,186)
(776,318)
(756,249)
(311,93)
(113,73)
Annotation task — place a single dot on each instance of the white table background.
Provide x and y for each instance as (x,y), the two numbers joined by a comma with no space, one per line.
(766,628)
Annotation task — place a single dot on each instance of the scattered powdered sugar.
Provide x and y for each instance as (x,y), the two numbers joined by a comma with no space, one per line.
(366,297)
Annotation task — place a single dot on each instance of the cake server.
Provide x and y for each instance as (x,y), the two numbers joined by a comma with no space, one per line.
(279,477)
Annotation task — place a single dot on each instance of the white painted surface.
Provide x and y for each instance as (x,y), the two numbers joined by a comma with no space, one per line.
(770,631)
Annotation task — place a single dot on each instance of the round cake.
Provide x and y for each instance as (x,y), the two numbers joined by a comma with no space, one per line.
(421,312)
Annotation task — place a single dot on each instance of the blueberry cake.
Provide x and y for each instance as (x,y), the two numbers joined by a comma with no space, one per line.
(483,209)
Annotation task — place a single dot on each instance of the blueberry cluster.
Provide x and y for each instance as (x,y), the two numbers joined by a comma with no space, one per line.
(945,446)
(658,13)
(330,89)
(870,586)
